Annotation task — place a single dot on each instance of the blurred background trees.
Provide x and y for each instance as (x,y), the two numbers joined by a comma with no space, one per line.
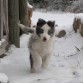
(62,5)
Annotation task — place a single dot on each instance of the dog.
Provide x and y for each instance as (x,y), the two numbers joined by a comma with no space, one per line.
(40,43)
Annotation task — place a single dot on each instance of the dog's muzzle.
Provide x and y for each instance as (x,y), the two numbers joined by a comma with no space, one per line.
(44,39)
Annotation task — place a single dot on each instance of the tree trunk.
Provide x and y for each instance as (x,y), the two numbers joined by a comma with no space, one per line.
(13,6)
(1,19)
(23,12)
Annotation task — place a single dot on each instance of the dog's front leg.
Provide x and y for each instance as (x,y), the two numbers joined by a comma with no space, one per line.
(36,61)
(45,61)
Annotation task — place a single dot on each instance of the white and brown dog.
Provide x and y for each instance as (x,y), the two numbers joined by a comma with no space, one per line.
(41,44)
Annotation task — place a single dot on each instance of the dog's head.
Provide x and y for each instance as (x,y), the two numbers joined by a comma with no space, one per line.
(45,30)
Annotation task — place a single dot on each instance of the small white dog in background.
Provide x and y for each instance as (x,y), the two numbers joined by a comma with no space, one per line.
(41,44)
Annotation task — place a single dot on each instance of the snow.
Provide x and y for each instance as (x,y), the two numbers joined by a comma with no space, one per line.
(3,78)
(66,65)
(2,41)
(79,16)
(60,18)
(29,6)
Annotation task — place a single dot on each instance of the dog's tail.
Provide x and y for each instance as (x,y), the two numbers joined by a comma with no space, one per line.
(26,29)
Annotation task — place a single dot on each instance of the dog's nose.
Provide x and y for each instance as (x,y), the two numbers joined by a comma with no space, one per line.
(44,39)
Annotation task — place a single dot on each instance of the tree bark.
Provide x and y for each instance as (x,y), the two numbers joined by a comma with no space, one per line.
(1,19)
(13,6)
(23,12)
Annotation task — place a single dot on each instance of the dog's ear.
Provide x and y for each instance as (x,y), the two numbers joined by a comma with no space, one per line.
(51,23)
(41,22)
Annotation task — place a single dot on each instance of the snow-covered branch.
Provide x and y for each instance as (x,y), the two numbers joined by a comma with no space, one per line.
(26,29)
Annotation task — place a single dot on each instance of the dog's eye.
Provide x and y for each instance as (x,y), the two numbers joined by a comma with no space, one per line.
(40,31)
(50,32)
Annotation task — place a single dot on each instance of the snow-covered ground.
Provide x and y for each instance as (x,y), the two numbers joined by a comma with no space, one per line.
(66,66)
(3,78)
(2,41)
